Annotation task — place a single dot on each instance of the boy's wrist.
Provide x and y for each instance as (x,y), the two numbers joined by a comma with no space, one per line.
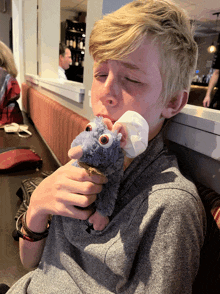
(25,233)
(35,221)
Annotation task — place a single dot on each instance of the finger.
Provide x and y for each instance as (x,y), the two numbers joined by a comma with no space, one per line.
(75,186)
(108,123)
(64,202)
(70,162)
(82,175)
(75,212)
(121,129)
(79,174)
(95,178)
(73,199)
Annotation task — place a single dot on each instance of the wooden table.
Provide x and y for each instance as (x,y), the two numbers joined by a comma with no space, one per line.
(11,268)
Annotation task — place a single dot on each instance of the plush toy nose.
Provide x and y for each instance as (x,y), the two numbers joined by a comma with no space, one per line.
(75,152)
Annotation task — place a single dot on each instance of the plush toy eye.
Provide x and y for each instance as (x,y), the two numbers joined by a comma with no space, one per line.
(105,140)
(91,127)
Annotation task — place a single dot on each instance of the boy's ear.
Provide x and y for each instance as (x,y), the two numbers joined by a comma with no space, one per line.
(175,105)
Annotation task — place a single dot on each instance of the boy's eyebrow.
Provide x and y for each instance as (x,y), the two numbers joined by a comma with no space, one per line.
(125,64)
(132,66)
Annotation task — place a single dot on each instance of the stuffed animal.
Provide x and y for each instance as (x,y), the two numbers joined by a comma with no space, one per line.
(99,150)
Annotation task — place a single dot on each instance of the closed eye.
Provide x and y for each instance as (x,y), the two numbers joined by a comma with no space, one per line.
(99,75)
(132,81)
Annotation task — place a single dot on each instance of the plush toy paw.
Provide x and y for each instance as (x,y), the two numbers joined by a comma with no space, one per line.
(99,222)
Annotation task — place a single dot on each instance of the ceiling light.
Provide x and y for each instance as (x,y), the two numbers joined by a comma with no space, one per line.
(212,48)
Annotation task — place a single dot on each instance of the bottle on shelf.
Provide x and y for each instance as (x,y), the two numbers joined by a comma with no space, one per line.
(82,58)
(74,42)
(76,60)
(71,43)
(84,42)
(80,43)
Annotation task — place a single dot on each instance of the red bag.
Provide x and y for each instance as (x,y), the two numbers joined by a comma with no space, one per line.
(19,159)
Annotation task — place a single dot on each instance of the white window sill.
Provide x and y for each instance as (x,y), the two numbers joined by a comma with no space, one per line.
(197,128)
(72,90)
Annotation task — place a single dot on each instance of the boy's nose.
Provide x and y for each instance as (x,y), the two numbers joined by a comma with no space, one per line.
(110,100)
(111,91)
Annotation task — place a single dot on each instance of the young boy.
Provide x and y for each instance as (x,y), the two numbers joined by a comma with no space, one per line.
(145,58)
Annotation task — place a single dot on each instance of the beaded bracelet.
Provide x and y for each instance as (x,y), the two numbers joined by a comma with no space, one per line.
(30,235)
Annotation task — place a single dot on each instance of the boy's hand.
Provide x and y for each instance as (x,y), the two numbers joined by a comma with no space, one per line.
(66,188)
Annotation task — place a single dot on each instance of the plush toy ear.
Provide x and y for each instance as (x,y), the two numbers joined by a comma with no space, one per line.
(122,130)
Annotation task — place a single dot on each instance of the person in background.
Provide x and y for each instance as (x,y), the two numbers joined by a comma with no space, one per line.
(214,82)
(9,88)
(154,237)
(65,60)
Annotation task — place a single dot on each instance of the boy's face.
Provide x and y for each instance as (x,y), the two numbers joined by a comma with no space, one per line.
(132,84)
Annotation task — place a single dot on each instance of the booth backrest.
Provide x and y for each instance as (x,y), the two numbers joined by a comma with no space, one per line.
(57,124)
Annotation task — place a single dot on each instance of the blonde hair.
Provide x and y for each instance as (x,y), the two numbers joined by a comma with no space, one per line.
(123,31)
(7,60)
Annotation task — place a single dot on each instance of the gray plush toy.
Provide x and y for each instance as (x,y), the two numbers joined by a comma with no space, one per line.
(99,151)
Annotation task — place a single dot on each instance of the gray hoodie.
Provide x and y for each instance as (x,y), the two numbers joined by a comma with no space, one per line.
(151,245)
